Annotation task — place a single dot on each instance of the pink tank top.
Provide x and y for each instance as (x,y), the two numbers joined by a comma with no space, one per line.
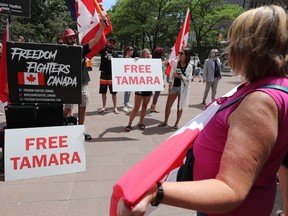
(209,145)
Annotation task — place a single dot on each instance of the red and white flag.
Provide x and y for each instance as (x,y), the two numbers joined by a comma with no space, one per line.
(88,23)
(180,43)
(25,78)
(157,166)
(3,72)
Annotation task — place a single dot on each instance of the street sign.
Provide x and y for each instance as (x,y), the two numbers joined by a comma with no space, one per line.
(16,7)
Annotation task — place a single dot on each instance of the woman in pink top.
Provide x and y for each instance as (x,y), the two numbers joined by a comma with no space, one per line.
(239,152)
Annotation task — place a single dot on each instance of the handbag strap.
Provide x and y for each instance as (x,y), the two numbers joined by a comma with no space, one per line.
(270,86)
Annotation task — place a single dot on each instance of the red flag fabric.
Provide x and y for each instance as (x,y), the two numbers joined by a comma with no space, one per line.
(136,181)
(3,73)
(88,23)
(181,42)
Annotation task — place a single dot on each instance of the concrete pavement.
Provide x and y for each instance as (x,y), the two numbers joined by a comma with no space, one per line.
(110,153)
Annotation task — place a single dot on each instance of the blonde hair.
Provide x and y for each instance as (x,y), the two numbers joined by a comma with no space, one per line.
(258,43)
(145,50)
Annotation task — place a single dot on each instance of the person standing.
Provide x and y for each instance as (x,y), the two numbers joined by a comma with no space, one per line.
(128,52)
(106,75)
(141,97)
(179,84)
(211,74)
(70,38)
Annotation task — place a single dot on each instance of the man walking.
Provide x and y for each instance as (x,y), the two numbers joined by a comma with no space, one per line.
(211,74)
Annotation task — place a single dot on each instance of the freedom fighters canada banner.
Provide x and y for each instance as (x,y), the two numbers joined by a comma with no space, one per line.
(129,74)
(44,73)
(37,152)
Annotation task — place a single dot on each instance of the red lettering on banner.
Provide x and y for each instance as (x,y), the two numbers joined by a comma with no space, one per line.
(52,142)
(40,141)
(53,160)
(137,68)
(75,158)
(43,143)
(64,157)
(38,161)
(137,80)
(15,162)
(25,163)
(29,143)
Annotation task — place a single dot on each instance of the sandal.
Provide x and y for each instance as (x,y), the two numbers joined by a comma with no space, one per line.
(175,127)
(102,110)
(154,111)
(141,126)
(162,124)
(128,128)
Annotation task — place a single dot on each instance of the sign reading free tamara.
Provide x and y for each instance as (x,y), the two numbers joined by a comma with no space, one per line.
(44,151)
(129,74)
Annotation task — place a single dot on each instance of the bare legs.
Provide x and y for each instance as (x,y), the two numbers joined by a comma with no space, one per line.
(170,100)
(137,102)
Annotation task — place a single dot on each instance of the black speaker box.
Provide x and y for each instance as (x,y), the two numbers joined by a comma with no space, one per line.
(33,115)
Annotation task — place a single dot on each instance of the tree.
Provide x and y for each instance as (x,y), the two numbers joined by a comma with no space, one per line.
(147,23)
(211,17)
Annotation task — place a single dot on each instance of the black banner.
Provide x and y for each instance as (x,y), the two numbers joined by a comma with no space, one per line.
(44,73)
(16,7)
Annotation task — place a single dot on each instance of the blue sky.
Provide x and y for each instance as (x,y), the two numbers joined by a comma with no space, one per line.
(108,3)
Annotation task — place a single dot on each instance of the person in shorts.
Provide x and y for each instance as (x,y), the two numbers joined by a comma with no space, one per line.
(70,38)
(106,75)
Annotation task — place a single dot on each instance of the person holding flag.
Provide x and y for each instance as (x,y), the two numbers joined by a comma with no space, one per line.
(179,84)
(239,151)
(69,38)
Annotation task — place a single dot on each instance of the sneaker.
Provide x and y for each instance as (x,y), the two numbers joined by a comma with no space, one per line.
(129,106)
(87,136)
(125,109)
(279,213)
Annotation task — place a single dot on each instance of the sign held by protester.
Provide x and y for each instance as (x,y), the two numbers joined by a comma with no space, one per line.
(44,73)
(16,7)
(44,151)
(129,74)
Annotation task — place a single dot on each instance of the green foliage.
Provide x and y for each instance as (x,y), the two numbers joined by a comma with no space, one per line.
(148,23)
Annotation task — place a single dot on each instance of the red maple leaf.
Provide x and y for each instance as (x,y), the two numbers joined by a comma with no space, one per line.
(31,78)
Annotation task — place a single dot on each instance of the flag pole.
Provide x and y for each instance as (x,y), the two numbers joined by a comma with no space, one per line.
(101,13)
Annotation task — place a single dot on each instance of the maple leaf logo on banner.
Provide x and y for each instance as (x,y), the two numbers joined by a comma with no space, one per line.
(31,78)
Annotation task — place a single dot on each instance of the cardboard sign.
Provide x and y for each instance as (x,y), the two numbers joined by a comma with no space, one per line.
(44,73)
(16,7)
(129,74)
(46,151)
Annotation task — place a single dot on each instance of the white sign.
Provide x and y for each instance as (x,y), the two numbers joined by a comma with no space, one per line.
(44,151)
(129,74)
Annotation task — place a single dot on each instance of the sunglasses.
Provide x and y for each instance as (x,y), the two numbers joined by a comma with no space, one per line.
(181,53)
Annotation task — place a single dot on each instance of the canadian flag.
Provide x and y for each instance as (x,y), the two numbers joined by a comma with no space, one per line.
(180,42)
(88,23)
(25,78)
(136,181)
(3,72)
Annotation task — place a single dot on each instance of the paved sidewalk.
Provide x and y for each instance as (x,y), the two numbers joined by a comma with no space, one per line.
(111,152)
